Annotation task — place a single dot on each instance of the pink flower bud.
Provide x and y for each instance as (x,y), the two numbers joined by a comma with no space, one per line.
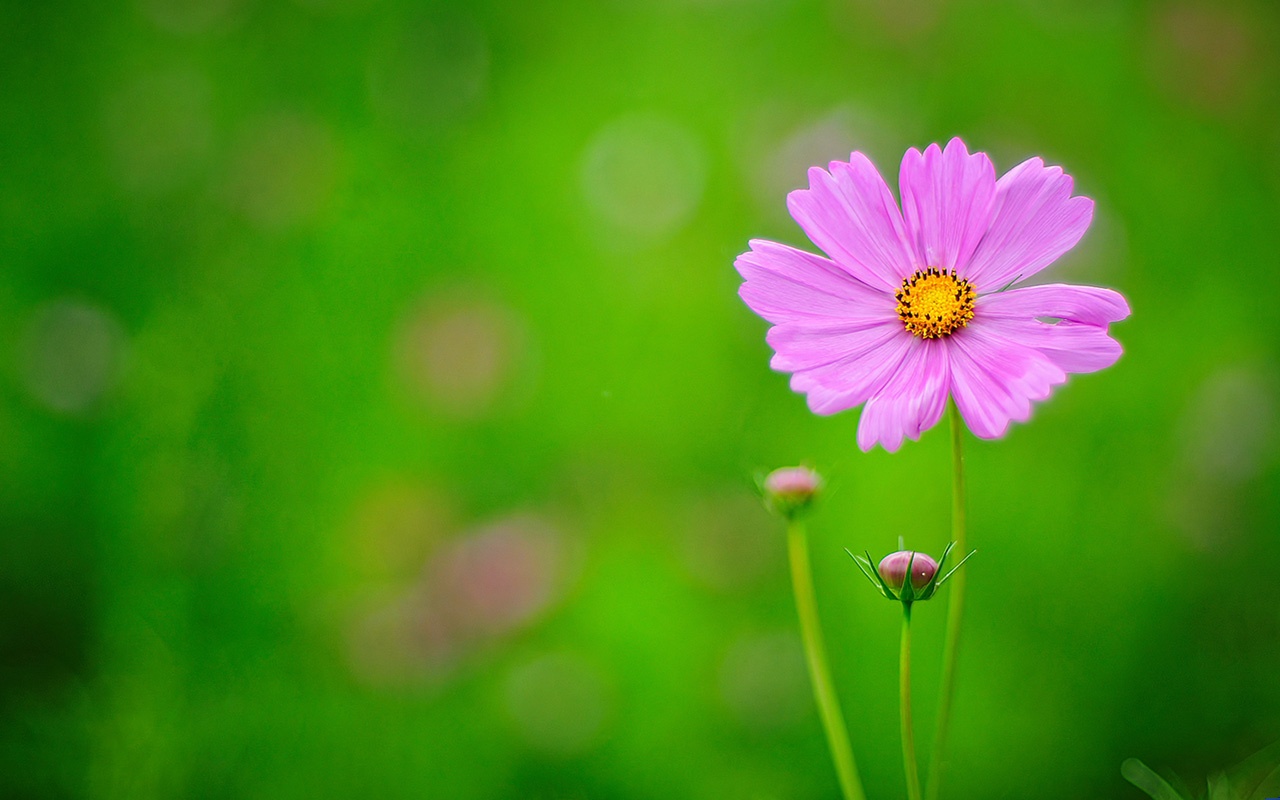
(893,568)
(790,490)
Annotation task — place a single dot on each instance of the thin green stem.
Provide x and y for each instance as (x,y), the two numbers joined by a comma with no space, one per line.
(955,608)
(904,692)
(816,654)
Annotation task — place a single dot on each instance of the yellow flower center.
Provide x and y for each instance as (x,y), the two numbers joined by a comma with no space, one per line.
(933,303)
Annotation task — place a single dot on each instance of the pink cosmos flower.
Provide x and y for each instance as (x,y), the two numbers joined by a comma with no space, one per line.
(916,305)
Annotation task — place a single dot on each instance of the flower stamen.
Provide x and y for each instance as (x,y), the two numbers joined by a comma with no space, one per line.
(934,303)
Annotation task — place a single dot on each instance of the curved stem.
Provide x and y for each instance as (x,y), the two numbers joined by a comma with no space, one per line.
(816,654)
(904,687)
(955,609)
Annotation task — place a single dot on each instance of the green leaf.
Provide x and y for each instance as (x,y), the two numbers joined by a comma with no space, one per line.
(1257,776)
(1146,779)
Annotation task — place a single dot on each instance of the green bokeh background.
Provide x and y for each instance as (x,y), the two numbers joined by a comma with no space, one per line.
(378,417)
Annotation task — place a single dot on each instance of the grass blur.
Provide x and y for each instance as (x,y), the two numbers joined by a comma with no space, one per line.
(378,416)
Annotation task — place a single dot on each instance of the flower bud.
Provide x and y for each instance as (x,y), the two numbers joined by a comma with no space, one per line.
(790,490)
(893,568)
(890,577)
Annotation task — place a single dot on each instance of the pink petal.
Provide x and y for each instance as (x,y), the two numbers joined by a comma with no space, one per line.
(1072,346)
(911,401)
(1036,221)
(947,201)
(994,379)
(799,347)
(785,285)
(851,214)
(849,381)
(1087,304)
(1079,342)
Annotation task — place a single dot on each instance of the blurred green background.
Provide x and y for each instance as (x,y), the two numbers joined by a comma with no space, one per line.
(378,415)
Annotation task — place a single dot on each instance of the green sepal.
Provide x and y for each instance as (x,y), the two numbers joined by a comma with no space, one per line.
(929,588)
(885,588)
(868,569)
(956,567)
(858,560)
(908,594)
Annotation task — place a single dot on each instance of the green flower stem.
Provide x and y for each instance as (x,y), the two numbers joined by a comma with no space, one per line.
(908,731)
(955,609)
(816,654)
